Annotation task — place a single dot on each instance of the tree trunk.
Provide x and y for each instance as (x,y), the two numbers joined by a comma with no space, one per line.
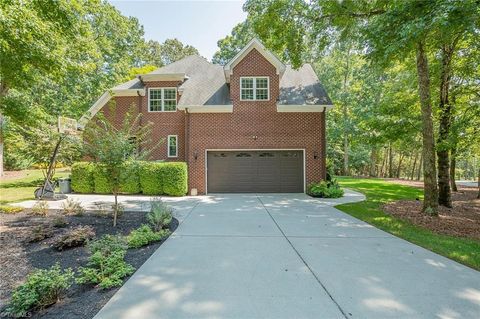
(420,165)
(478,196)
(115,210)
(430,202)
(444,193)
(346,170)
(412,175)
(400,165)
(3,92)
(373,162)
(390,162)
(384,160)
(453,164)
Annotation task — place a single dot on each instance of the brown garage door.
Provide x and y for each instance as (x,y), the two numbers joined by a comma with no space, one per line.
(255,171)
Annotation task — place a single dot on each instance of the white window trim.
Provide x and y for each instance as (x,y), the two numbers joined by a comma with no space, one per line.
(168,146)
(162,99)
(255,87)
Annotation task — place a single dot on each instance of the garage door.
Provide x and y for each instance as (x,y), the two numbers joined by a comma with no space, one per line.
(255,172)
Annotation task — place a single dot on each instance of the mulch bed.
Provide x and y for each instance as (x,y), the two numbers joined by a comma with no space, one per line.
(18,257)
(462,220)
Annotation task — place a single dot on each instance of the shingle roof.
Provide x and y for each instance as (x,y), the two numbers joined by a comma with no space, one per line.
(302,87)
(206,84)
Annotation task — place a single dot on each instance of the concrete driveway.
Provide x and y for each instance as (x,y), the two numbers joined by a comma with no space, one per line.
(290,256)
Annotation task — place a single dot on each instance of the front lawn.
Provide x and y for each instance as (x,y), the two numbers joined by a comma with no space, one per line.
(22,185)
(380,192)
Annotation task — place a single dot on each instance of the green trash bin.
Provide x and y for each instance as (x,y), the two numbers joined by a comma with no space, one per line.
(65,185)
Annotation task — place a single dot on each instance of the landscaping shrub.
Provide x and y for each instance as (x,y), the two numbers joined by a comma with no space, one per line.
(130,178)
(5,209)
(325,189)
(42,288)
(106,266)
(40,208)
(150,178)
(39,233)
(100,177)
(160,215)
(72,207)
(174,179)
(75,237)
(59,221)
(144,235)
(169,178)
(82,177)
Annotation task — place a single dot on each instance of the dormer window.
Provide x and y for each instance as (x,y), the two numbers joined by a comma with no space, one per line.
(162,99)
(254,88)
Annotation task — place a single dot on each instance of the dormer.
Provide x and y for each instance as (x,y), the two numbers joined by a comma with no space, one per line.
(254,44)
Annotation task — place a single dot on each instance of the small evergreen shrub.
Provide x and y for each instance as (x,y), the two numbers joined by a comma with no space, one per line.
(144,235)
(40,233)
(100,177)
(325,189)
(130,178)
(40,208)
(160,215)
(72,207)
(82,177)
(5,209)
(59,221)
(106,265)
(75,237)
(42,288)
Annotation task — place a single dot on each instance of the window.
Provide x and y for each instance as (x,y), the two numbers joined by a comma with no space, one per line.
(172,146)
(162,99)
(254,88)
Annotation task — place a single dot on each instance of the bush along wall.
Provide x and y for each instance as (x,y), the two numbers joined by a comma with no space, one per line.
(82,177)
(150,178)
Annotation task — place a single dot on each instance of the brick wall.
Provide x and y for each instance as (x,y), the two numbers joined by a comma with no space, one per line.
(164,123)
(255,118)
(234,130)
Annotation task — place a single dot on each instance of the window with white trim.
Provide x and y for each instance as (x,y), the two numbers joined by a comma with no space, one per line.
(172,145)
(162,99)
(254,88)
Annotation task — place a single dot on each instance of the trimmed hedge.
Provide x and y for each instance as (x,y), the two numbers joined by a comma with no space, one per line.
(82,177)
(150,178)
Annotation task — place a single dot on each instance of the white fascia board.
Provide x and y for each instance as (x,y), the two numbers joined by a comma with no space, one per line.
(163,77)
(128,92)
(208,108)
(302,108)
(254,44)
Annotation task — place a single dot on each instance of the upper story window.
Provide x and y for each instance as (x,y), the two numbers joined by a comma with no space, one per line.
(254,88)
(162,99)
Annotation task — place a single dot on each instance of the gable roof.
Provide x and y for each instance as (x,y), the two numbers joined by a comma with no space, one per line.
(254,44)
(205,85)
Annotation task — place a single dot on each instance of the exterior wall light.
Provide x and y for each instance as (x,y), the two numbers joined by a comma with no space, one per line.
(315,155)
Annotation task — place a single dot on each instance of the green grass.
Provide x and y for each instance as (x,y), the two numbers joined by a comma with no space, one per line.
(22,188)
(379,192)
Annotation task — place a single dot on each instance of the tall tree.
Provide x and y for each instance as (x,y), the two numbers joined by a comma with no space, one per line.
(173,50)
(392,30)
(229,46)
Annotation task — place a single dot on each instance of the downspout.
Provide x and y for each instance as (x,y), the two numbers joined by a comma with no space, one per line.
(140,120)
(187,145)
(323,159)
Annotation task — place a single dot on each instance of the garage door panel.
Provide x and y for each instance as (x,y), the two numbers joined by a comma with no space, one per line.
(255,171)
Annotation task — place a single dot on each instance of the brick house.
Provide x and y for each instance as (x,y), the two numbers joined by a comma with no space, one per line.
(253,125)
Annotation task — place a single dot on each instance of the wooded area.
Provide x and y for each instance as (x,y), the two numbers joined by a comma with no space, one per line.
(56,59)
(404,76)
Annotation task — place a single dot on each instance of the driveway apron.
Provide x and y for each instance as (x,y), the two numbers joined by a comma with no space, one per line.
(290,256)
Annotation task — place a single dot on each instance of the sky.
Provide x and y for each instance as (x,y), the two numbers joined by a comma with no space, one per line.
(198,23)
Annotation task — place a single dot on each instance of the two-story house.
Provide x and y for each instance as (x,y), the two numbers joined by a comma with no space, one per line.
(254,125)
